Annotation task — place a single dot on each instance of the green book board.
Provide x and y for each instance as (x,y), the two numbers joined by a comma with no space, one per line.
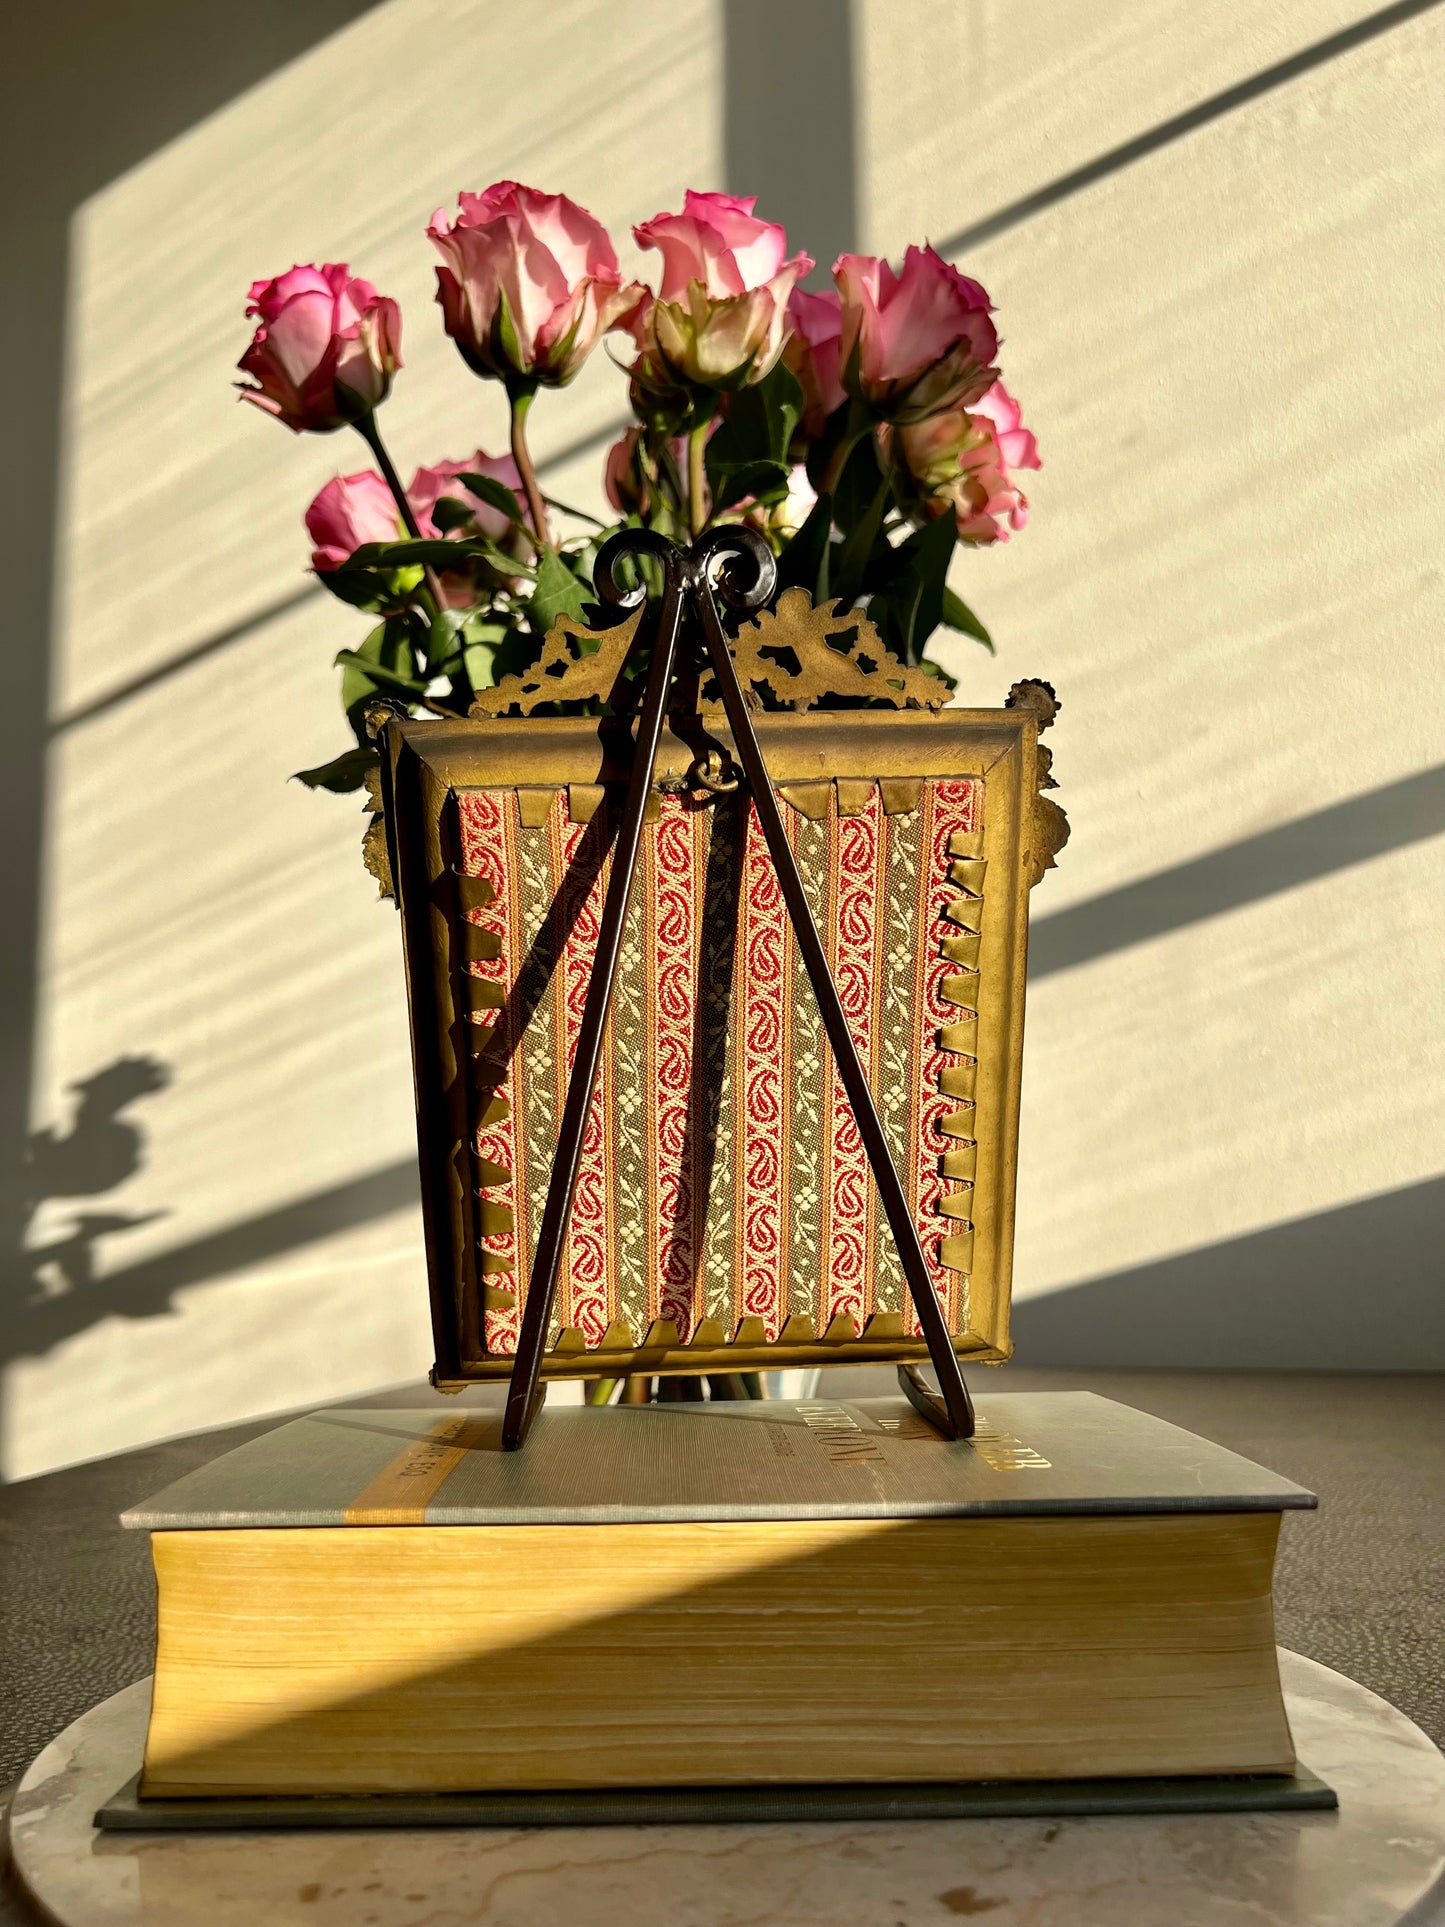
(1299,1791)
(1040,1453)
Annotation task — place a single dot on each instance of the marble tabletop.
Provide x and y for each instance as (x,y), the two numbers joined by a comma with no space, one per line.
(1379,1860)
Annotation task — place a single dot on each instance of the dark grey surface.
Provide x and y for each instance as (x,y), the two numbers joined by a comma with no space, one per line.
(1361,1583)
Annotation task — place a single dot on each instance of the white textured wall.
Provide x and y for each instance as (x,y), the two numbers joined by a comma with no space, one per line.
(1230,349)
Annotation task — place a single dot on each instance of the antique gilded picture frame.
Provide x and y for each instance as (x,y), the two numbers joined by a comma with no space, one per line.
(724,1220)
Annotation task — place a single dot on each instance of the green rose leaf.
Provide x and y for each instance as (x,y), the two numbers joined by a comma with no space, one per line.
(748,455)
(369,589)
(377,676)
(492,649)
(495,494)
(443,649)
(485,550)
(958,615)
(448,512)
(437,550)
(385,664)
(344,772)
(803,563)
(931,668)
(764,482)
(865,550)
(580,515)
(909,604)
(558,592)
(858,486)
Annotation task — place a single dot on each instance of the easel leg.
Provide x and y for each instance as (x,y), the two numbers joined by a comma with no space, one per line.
(954,1413)
(524,1395)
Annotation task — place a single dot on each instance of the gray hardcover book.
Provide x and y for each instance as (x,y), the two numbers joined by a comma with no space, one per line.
(1035,1453)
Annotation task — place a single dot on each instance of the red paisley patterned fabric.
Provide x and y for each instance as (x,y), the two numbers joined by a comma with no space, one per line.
(722,1174)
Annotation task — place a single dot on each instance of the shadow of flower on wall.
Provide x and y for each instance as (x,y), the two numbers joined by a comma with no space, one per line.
(98,1148)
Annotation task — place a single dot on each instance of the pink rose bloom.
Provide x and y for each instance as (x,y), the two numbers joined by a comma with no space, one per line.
(812,351)
(962,461)
(721,314)
(1016,443)
(530,283)
(915,342)
(326,349)
(349,511)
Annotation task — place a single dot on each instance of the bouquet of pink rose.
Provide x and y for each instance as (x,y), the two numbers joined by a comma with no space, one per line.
(863,430)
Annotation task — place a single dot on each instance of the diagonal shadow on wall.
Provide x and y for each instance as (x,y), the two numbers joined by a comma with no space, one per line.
(60,1286)
(1361,1288)
(1295,853)
(259,619)
(148,1288)
(62,1278)
(1115,159)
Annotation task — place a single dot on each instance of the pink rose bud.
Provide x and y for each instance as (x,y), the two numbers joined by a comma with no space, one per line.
(623,476)
(811,351)
(960,461)
(326,349)
(627,477)
(460,587)
(721,314)
(349,511)
(428,486)
(915,342)
(530,283)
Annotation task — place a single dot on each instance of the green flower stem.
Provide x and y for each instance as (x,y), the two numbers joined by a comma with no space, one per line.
(522,456)
(860,423)
(697,480)
(371,435)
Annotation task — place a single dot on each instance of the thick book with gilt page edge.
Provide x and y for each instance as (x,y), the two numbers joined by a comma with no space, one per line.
(785,1594)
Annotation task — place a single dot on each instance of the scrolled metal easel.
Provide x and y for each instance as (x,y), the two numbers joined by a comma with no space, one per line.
(738,563)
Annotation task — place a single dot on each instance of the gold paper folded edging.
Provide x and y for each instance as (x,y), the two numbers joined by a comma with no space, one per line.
(476,943)
(711,1350)
(960,1079)
(662,1335)
(898,795)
